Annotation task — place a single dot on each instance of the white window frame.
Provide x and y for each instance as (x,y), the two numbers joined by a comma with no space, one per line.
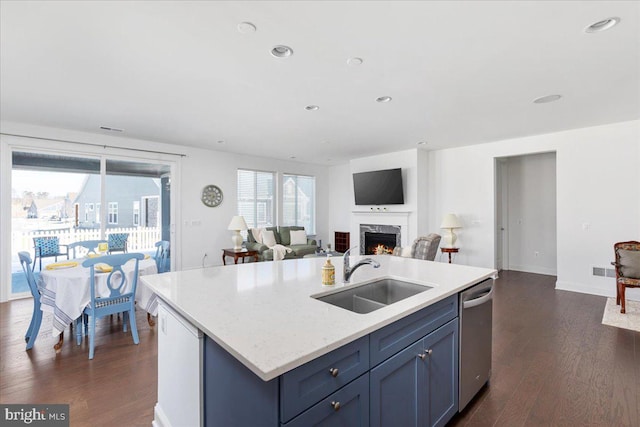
(259,207)
(97,210)
(297,220)
(113,213)
(136,213)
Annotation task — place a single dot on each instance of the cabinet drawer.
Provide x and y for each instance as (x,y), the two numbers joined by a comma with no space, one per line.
(307,384)
(353,409)
(387,341)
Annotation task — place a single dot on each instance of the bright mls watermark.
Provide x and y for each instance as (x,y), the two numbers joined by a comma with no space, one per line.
(35,415)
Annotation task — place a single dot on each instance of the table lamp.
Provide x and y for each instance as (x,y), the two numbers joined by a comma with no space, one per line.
(450,222)
(236,225)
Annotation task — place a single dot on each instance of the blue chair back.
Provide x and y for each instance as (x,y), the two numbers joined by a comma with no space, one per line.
(118,242)
(117,283)
(121,297)
(46,246)
(36,317)
(162,255)
(90,245)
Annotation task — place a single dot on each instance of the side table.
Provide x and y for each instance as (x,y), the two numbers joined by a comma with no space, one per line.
(450,251)
(238,253)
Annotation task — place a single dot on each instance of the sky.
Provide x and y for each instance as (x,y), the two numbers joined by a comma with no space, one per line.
(54,183)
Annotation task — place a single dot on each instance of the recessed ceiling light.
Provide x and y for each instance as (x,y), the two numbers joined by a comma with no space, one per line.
(545,99)
(110,129)
(384,99)
(292,157)
(355,61)
(312,108)
(246,28)
(603,25)
(422,143)
(281,51)
(221,142)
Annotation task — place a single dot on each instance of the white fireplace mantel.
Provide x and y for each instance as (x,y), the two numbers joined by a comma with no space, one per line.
(381,217)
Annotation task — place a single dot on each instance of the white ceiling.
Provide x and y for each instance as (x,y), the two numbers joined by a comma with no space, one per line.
(460,73)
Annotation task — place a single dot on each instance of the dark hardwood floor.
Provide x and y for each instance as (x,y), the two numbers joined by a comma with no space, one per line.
(554,364)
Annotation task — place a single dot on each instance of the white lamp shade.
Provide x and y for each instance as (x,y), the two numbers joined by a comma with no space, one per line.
(450,221)
(237,223)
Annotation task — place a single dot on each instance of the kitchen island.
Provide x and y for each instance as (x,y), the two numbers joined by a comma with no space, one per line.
(264,334)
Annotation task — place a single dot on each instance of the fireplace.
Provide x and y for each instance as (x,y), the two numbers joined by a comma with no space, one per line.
(377,239)
(379,243)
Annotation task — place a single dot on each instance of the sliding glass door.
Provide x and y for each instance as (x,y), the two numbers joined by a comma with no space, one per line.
(68,198)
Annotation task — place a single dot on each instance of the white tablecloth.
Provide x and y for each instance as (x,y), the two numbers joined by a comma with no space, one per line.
(65,292)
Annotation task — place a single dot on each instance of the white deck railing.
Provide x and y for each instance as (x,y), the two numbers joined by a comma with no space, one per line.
(140,238)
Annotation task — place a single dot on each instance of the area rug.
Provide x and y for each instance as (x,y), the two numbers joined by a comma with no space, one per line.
(629,320)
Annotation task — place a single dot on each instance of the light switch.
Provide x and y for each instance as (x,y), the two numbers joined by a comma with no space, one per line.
(586,226)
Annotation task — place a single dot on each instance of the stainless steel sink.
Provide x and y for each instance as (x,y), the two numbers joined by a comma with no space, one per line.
(372,296)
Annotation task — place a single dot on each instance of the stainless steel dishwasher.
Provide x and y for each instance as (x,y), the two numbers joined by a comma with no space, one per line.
(476,304)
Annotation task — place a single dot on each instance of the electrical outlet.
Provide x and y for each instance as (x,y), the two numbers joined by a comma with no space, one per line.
(536,254)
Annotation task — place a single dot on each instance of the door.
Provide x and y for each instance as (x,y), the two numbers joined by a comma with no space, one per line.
(441,346)
(398,392)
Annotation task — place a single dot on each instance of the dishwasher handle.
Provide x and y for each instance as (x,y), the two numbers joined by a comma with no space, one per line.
(483,298)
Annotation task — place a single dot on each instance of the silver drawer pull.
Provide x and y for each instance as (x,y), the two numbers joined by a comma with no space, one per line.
(335,406)
(334,373)
(428,352)
(422,356)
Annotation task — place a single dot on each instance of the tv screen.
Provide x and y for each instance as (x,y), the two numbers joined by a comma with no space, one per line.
(378,187)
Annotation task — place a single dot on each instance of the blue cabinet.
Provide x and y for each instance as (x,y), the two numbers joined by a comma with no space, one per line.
(349,406)
(419,385)
(404,374)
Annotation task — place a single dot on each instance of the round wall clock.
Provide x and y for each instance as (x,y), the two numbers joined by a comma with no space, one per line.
(211,196)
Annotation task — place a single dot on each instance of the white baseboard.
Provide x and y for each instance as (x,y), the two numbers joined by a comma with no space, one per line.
(534,269)
(159,418)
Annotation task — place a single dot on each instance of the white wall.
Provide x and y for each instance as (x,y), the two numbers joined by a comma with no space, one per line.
(598,197)
(340,201)
(199,229)
(531,213)
(412,211)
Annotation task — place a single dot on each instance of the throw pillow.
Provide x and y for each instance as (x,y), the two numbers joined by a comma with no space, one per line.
(630,261)
(406,252)
(298,237)
(268,238)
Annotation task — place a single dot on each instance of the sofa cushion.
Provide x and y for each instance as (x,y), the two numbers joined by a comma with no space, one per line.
(251,239)
(302,250)
(285,236)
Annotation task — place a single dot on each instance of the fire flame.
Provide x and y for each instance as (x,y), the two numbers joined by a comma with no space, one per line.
(382,250)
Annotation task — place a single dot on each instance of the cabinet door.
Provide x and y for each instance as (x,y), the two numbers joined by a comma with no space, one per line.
(398,392)
(442,373)
(348,406)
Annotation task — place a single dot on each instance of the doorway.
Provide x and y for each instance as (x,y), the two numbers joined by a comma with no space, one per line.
(526,233)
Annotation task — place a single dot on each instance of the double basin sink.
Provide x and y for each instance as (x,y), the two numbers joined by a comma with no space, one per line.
(372,296)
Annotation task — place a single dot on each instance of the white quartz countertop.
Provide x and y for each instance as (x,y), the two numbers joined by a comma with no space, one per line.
(264,314)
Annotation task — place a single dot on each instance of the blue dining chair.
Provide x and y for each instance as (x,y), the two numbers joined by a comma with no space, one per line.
(36,317)
(47,246)
(121,297)
(117,242)
(90,245)
(162,255)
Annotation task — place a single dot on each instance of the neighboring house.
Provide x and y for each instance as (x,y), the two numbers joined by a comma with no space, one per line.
(42,208)
(130,202)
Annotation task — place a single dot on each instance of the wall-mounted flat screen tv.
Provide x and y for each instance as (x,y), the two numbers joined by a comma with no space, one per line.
(382,187)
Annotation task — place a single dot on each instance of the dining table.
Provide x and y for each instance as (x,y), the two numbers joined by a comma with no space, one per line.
(65,291)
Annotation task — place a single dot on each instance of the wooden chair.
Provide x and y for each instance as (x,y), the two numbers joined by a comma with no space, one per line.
(121,297)
(90,245)
(47,246)
(627,265)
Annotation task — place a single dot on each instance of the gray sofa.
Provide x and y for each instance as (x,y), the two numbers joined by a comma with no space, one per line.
(283,237)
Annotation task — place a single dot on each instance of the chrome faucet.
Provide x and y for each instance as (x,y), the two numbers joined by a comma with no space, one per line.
(348,271)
